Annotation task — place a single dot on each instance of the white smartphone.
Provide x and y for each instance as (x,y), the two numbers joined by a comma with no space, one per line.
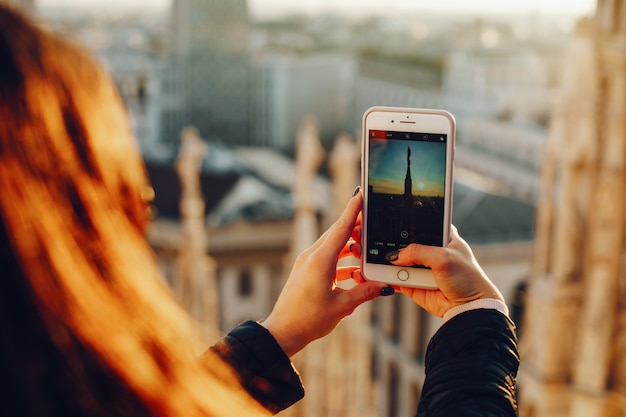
(407,164)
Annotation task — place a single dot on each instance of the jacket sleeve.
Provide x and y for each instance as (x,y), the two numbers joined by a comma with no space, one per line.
(471,365)
(263,368)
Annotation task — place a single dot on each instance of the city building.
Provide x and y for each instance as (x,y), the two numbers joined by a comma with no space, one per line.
(501,97)
(496,82)
(208,81)
(222,79)
(385,82)
(573,345)
(289,87)
(507,154)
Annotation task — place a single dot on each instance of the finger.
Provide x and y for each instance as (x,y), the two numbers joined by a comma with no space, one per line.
(355,250)
(345,272)
(320,241)
(351,248)
(347,249)
(456,241)
(359,279)
(358,227)
(356,296)
(416,254)
(418,295)
(337,235)
(357,276)
(356,233)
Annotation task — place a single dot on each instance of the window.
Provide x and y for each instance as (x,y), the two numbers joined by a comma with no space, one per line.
(246,283)
(396,319)
(393,394)
(421,335)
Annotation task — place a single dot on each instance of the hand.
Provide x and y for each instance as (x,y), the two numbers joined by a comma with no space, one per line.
(459,277)
(311,305)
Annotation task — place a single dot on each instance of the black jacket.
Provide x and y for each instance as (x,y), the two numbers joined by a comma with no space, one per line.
(471,364)
(264,369)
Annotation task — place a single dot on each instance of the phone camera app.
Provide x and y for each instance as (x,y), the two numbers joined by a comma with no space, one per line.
(405,192)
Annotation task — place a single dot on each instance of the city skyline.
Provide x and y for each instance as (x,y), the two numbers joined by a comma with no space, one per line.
(357,8)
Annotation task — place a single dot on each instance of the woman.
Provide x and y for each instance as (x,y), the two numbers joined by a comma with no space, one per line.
(88,328)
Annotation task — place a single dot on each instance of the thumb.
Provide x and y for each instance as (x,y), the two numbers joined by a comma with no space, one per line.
(415,254)
(361,293)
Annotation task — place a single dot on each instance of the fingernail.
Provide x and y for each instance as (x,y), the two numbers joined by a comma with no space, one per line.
(392,256)
(387,291)
(356,190)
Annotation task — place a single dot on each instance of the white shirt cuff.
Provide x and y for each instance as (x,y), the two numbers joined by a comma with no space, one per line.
(488,303)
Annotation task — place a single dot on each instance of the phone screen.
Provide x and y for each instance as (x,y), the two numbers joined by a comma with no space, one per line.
(406,191)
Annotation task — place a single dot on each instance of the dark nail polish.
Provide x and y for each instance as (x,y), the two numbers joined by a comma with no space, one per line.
(387,291)
(392,256)
(356,190)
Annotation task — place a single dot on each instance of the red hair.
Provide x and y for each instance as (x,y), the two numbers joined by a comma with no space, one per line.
(91,327)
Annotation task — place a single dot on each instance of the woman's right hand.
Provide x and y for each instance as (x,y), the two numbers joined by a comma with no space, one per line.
(459,277)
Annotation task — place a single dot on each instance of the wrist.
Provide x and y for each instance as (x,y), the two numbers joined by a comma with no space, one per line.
(481,303)
(288,344)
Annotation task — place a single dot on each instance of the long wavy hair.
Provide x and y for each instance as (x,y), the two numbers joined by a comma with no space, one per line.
(87,326)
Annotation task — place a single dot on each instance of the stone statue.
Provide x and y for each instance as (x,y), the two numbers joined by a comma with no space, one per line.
(309,156)
(343,164)
(195,284)
(189,162)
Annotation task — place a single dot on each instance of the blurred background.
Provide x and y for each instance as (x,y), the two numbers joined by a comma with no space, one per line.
(248,116)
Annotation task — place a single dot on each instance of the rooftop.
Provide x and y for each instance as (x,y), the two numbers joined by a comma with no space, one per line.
(254,185)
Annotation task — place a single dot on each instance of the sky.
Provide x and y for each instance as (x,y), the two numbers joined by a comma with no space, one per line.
(388,160)
(270,8)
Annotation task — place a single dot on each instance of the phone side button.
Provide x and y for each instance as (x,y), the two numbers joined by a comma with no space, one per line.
(403,275)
